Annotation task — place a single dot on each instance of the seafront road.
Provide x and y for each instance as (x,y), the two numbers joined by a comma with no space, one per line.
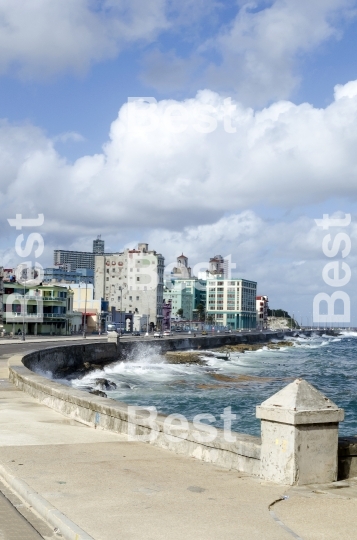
(114,489)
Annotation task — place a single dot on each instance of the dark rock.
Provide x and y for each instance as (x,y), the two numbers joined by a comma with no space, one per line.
(105,384)
(123,385)
(98,393)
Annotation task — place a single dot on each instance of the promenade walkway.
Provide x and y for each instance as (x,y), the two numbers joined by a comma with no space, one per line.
(114,489)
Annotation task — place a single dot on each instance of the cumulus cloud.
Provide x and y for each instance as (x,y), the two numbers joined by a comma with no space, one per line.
(39,38)
(284,257)
(175,164)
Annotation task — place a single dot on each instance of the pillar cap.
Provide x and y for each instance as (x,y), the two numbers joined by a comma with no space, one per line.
(300,403)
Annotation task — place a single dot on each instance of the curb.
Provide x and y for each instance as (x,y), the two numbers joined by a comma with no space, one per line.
(50,514)
(15,341)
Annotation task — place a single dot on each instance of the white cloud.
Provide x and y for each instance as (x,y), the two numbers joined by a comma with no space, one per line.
(39,38)
(259,49)
(282,156)
(257,55)
(284,257)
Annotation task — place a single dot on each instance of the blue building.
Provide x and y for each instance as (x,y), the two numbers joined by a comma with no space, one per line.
(56,275)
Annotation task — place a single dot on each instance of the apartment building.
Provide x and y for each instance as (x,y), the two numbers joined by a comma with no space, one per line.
(48,309)
(232,302)
(98,246)
(262,306)
(218,265)
(72,260)
(80,275)
(181,298)
(132,281)
(1,294)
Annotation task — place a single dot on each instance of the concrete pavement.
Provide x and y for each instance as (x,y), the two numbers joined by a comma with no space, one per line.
(116,489)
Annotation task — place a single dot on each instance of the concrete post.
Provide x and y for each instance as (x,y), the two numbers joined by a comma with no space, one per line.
(299,428)
(113,337)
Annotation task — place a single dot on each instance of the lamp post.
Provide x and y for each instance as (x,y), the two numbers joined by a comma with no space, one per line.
(85,313)
(23,315)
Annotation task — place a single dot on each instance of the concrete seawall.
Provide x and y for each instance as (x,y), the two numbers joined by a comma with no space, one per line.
(202,342)
(242,455)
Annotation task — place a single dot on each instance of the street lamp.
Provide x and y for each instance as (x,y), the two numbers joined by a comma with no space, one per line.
(85,313)
(23,315)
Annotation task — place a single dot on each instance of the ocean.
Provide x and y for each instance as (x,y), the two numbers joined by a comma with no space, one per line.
(328,363)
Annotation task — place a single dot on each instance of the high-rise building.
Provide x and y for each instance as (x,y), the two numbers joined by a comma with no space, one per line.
(72,260)
(98,245)
(132,281)
(232,302)
(52,275)
(219,266)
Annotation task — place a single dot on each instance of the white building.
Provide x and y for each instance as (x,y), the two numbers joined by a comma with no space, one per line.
(131,281)
(182,270)
(1,295)
(232,302)
(218,265)
(262,305)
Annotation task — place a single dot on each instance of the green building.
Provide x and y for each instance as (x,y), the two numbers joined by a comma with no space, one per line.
(232,302)
(48,309)
(186,294)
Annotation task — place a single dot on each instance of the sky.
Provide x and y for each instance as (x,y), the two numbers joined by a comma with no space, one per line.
(199,126)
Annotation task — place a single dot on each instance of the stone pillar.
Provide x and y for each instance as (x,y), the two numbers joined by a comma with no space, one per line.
(113,337)
(35,329)
(299,428)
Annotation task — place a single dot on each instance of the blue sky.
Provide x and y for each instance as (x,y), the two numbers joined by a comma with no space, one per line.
(65,152)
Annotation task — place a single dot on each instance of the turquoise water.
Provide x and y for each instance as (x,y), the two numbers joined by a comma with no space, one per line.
(328,363)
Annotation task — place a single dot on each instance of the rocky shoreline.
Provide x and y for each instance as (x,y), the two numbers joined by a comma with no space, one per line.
(196,357)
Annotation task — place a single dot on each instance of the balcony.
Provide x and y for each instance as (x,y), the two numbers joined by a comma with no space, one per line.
(38,296)
(11,316)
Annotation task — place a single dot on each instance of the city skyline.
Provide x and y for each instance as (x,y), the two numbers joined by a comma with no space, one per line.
(278,84)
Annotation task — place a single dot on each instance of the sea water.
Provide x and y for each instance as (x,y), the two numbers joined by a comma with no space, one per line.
(146,379)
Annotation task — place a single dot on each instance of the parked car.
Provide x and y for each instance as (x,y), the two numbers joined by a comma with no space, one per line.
(157,334)
(135,334)
(167,333)
(178,329)
(204,333)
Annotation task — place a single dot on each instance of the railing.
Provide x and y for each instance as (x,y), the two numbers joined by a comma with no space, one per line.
(37,296)
(11,315)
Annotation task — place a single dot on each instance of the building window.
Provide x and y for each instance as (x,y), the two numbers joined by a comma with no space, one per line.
(137,279)
(138,298)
